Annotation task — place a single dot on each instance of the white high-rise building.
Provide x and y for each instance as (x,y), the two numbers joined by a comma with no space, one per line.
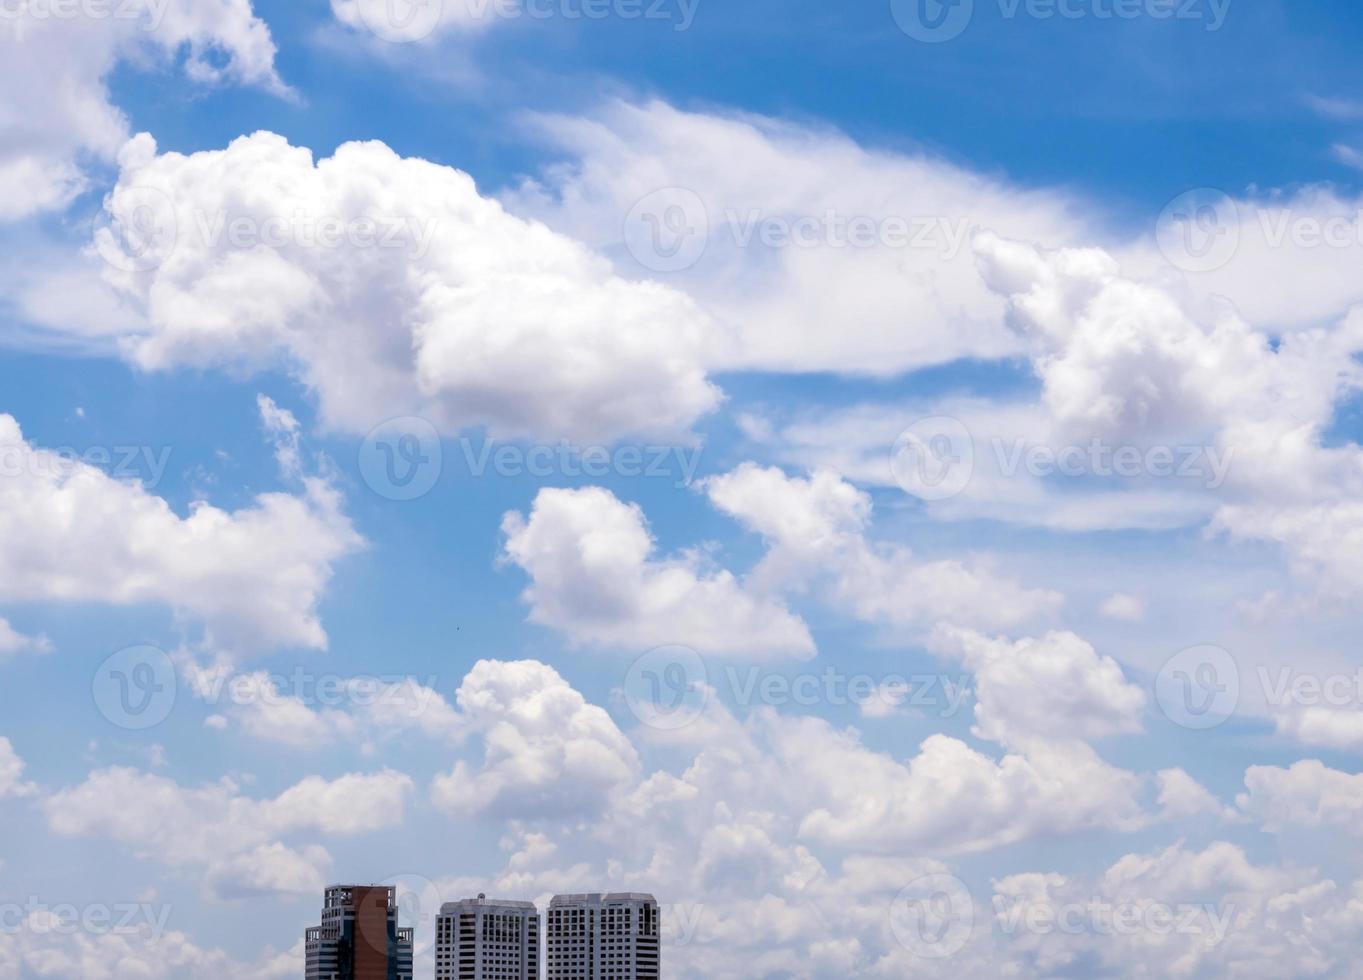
(483,939)
(602,937)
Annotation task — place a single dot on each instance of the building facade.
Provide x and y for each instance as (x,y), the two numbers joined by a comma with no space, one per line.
(359,938)
(602,937)
(483,939)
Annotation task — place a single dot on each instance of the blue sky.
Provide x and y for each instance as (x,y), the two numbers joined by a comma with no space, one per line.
(1008,553)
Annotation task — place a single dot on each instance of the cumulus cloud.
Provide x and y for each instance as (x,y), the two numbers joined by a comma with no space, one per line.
(39,946)
(1056,686)
(253,577)
(817,530)
(56,125)
(309,714)
(391,287)
(546,751)
(775,832)
(1307,794)
(233,841)
(1202,914)
(1136,364)
(595,576)
(11,772)
(881,238)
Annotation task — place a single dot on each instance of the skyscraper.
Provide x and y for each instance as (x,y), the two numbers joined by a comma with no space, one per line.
(602,937)
(359,938)
(483,939)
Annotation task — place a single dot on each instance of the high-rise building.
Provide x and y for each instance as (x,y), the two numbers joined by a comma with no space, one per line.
(602,937)
(483,939)
(359,938)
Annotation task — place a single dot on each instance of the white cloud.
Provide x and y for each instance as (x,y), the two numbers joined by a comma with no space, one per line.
(1120,605)
(817,527)
(1188,913)
(233,841)
(910,296)
(594,575)
(12,772)
(312,712)
(1054,687)
(253,577)
(1138,365)
(12,641)
(546,751)
(53,126)
(39,946)
(1322,725)
(391,287)
(419,22)
(1307,794)
(1181,797)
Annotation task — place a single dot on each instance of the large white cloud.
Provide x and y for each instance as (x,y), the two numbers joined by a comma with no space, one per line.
(48,130)
(817,528)
(1056,686)
(1305,795)
(234,841)
(547,753)
(910,297)
(594,574)
(390,286)
(252,577)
